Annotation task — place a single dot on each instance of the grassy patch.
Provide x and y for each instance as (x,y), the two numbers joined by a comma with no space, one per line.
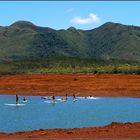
(70,65)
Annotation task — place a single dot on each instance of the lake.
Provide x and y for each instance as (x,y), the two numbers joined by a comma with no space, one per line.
(39,113)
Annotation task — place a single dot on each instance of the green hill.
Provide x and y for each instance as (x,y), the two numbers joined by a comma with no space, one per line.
(25,46)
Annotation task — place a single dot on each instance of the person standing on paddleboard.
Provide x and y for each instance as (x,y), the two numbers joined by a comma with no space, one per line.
(66,97)
(53,97)
(74,97)
(16,99)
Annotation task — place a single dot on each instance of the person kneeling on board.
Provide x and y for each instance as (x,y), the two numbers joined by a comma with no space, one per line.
(24,99)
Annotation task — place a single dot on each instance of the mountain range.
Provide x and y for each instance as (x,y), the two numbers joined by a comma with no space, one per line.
(23,40)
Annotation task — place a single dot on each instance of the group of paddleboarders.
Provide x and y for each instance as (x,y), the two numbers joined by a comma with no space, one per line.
(52,98)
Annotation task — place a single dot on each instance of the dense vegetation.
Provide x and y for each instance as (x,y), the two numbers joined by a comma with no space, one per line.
(69,65)
(110,48)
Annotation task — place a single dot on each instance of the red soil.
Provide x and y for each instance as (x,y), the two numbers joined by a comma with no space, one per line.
(80,84)
(114,130)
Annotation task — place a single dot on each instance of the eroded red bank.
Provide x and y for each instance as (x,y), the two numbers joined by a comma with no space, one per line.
(114,130)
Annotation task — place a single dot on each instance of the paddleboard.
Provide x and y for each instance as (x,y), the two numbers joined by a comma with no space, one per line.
(92,97)
(49,98)
(24,101)
(58,99)
(81,97)
(15,104)
(51,102)
(46,98)
(43,97)
(61,100)
(74,100)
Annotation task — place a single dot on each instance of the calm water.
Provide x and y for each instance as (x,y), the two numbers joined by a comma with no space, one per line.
(37,114)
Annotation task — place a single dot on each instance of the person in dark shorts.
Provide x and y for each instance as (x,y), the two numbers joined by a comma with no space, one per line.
(16,99)
(53,97)
(66,97)
(74,97)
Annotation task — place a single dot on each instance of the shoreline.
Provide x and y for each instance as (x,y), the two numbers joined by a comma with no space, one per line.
(20,95)
(113,130)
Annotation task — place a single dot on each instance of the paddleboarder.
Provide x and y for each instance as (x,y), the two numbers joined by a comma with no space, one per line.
(53,97)
(16,99)
(24,99)
(74,97)
(66,97)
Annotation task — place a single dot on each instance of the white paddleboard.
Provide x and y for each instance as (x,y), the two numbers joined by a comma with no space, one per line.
(74,100)
(92,98)
(61,100)
(51,102)
(58,99)
(24,101)
(15,104)
(46,98)
(81,97)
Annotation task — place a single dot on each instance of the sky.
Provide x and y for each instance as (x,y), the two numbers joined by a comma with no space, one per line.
(62,14)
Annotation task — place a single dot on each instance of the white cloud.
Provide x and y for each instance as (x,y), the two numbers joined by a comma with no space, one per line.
(92,18)
(70,10)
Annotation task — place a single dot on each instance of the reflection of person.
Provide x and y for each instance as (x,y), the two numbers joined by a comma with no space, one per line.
(16,99)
